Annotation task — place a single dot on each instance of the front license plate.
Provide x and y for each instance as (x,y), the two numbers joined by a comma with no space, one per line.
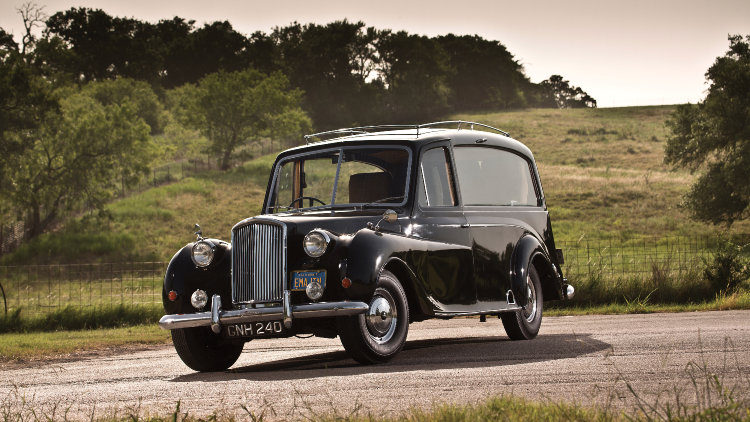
(300,279)
(255,329)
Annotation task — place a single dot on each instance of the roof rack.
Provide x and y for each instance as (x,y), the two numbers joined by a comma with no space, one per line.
(459,124)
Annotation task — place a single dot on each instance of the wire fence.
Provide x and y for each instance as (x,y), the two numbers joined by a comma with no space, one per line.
(605,265)
(614,260)
(41,289)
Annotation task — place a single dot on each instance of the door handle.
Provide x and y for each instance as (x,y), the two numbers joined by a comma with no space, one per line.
(465,225)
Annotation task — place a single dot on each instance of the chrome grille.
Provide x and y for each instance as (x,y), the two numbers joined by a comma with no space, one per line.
(258,262)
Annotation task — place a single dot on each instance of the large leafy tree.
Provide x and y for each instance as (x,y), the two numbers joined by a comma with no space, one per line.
(485,75)
(416,71)
(714,135)
(75,157)
(235,108)
(334,65)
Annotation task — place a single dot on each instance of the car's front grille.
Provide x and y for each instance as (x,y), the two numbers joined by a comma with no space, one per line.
(258,261)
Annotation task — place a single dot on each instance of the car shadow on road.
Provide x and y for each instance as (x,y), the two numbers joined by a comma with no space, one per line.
(429,354)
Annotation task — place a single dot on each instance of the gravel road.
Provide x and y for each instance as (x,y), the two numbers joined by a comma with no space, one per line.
(583,359)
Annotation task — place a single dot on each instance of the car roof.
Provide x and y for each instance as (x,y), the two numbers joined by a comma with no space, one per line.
(416,137)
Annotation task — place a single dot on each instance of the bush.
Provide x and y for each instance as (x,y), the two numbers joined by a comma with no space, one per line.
(730,267)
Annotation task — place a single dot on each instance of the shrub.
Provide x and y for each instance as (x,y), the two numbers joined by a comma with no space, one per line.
(730,267)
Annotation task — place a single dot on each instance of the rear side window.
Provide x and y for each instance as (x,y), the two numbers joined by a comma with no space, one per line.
(491,176)
(435,184)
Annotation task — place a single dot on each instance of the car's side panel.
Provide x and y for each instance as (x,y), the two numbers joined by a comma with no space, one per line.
(434,279)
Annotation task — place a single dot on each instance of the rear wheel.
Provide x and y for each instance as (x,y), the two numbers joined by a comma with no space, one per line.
(524,324)
(377,335)
(204,351)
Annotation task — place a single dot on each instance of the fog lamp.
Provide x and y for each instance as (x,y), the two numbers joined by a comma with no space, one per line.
(199,299)
(314,290)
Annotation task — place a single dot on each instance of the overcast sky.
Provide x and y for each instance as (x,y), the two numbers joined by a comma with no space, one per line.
(635,52)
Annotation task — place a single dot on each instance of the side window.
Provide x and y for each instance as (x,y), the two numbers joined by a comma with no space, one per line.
(435,186)
(491,176)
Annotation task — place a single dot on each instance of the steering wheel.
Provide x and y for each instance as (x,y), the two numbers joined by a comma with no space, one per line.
(311,198)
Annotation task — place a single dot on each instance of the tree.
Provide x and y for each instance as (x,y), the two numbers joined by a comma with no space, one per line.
(25,98)
(415,71)
(234,108)
(715,135)
(334,65)
(484,76)
(557,92)
(75,158)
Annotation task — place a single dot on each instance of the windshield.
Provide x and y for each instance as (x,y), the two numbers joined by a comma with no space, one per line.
(342,177)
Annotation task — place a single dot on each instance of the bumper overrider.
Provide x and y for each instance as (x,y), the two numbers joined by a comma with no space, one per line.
(217,317)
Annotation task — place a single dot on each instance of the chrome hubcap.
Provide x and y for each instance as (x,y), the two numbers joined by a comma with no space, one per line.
(381,317)
(529,311)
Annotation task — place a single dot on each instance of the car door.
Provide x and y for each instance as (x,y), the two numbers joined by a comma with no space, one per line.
(500,200)
(445,261)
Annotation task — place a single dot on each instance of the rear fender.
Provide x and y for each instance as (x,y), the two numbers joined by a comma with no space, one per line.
(529,251)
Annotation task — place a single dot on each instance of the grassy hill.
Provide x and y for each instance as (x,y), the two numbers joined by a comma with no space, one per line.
(601,169)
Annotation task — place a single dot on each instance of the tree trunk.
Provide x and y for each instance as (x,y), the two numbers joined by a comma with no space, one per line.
(225,159)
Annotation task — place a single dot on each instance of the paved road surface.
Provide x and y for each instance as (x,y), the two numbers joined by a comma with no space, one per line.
(583,359)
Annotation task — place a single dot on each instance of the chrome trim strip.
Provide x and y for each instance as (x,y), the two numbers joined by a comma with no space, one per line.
(276,313)
(493,312)
(287,309)
(215,311)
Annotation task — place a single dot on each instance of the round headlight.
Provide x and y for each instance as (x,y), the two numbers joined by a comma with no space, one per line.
(314,290)
(316,243)
(203,253)
(199,299)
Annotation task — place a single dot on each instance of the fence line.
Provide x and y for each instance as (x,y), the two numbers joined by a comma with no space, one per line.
(40,289)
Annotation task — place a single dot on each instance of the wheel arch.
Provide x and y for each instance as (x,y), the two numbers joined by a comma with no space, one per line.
(530,252)
(418,309)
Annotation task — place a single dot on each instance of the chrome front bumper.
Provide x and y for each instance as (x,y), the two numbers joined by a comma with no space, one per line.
(216,317)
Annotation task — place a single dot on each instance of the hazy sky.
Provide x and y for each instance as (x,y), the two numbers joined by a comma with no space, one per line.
(634,52)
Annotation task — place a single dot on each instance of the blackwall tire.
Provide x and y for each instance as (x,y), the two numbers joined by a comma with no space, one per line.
(380,333)
(524,324)
(204,351)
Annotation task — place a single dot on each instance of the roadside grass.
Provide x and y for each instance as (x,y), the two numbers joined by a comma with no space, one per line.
(45,345)
(74,318)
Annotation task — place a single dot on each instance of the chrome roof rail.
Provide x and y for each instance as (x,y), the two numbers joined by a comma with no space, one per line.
(360,130)
(469,125)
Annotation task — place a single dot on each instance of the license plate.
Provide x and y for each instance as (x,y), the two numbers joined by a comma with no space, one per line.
(300,279)
(255,329)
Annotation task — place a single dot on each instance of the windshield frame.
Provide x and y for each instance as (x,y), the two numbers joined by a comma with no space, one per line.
(268,209)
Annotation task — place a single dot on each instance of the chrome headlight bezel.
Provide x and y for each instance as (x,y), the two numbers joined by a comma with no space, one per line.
(315,243)
(205,251)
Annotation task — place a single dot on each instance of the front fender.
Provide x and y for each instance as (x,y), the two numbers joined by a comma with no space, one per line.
(184,277)
(369,252)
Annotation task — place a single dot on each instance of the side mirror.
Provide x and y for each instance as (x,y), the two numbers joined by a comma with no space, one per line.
(390,216)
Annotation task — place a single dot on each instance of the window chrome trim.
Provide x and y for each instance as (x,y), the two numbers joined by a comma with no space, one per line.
(341,150)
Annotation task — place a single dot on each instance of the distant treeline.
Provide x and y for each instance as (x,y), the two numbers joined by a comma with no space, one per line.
(349,73)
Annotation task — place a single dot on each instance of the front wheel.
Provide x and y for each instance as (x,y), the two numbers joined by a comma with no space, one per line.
(204,351)
(377,335)
(524,324)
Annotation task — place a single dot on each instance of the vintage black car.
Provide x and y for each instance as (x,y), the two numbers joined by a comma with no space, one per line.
(365,230)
